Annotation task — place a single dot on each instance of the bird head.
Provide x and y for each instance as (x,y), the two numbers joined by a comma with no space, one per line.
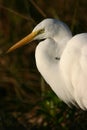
(38,33)
(48,28)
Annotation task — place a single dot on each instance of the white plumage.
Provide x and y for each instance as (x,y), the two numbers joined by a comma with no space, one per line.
(61,59)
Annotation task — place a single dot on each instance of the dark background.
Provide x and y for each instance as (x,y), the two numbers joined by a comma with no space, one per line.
(26,101)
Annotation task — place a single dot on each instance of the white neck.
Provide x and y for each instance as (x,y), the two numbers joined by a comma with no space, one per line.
(48,66)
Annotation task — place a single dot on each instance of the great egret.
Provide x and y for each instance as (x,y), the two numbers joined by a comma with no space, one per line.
(61,59)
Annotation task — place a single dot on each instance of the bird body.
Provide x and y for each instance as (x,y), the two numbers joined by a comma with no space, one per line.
(73,68)
(61,59)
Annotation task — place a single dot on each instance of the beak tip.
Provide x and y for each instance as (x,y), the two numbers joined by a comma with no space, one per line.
(8,51)
(22,42)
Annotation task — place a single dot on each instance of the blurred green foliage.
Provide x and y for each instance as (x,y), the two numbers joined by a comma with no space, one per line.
(27,102)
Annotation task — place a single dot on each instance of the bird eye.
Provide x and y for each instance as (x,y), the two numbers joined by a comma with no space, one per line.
(41,31)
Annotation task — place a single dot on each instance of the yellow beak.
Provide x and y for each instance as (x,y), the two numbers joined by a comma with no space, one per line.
(24,41)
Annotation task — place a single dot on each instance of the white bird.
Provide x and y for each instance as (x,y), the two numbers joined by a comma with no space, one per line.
(61,59)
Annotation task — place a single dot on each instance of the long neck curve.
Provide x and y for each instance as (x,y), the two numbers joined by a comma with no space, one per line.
(48,66)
